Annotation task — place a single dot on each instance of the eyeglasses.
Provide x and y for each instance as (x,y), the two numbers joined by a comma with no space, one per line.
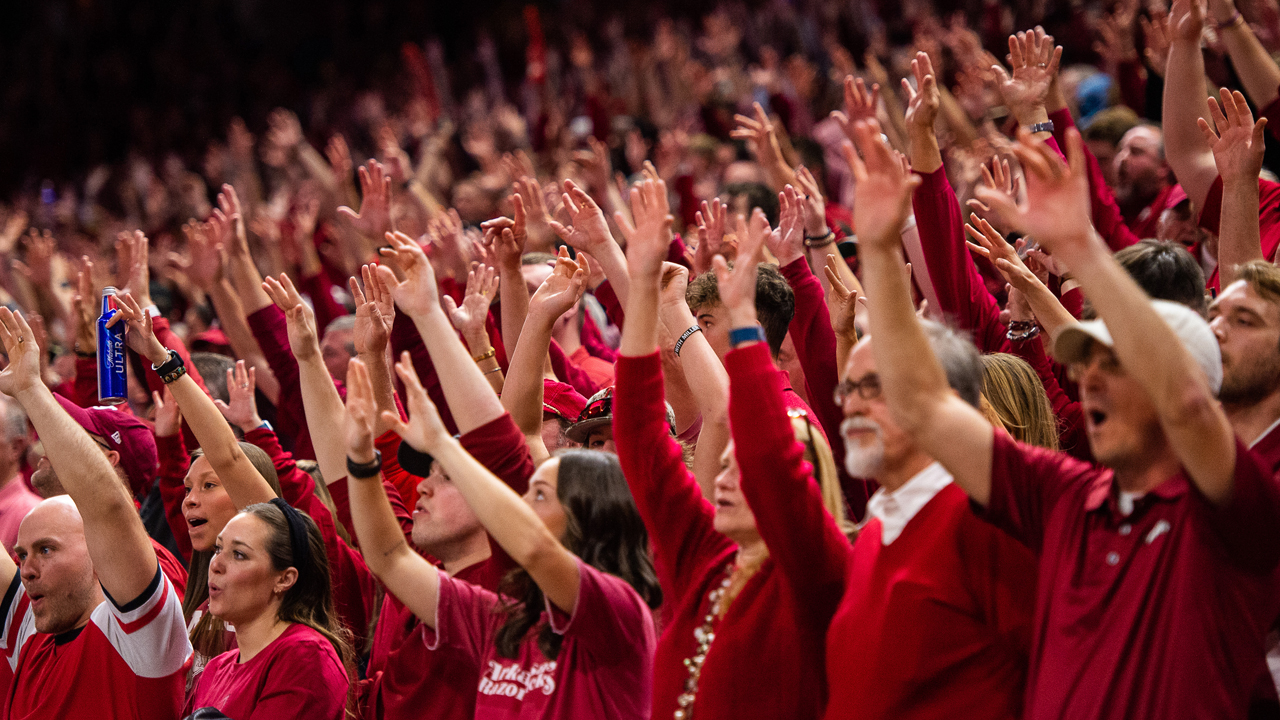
(600,407)
(868,388)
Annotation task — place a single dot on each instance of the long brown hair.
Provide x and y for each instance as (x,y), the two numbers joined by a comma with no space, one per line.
(604,529)
(208,637)
(1018,398)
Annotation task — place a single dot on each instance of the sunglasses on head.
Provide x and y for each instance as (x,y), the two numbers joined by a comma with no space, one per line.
(600,407)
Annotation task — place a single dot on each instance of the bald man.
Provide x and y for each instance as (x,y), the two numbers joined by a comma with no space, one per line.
(91,626)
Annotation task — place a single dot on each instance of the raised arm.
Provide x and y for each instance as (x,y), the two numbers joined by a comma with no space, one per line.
(243,483)
(405,573)
(470,319)
(228,227)
(121,552)
(509,520)
(1254,66)
(1193,421)
(915,384)
(588,230)
(1237,145)
(1184,91)
(471,401)
(320,400)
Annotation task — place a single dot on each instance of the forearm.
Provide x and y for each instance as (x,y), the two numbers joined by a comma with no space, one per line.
(1048,310)
(614,264)
(925,155)
(1184,103)
(323,410)
(247,280)
(1239,238)
(478,344)
(470,399)
(640,334)
(242,482)
(1253,64)
(522,389)
(231,318)
(514,296)
(404,573)
(384,391)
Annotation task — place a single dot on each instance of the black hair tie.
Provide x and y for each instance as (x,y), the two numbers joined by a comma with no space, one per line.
(299,539)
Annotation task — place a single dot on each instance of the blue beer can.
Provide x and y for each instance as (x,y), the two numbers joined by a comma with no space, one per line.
(113,384)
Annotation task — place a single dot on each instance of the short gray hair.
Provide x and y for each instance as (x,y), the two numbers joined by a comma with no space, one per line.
(213,369)
(960,360)
(14,419)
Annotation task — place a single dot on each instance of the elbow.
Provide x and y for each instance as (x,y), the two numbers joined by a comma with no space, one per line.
(1191,406)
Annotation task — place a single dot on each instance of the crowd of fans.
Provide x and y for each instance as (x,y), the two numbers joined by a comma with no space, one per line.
(718,374)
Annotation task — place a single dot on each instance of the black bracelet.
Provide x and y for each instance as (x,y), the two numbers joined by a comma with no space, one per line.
(172,369)
(817,241)
(365,470)
(687,334)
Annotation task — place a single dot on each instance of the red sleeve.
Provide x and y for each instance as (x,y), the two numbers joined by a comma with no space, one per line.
(170,340)
(1248,523)
(815,343)
(320,289)
(173,472)
(404,336)
(1107,219)
(569,372)
(270,330)
(1073,301)
(1071,436)
(404,484)
(609,301)
(780,487)
(680,521)
(84,391)
(1268,218)
(956,280)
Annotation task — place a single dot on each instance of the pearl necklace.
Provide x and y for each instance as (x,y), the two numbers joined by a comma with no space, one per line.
(704,634)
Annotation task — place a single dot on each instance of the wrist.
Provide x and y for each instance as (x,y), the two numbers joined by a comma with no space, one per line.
(743,317)
(1032,116)
(252,423)
(360,449)
(158,354)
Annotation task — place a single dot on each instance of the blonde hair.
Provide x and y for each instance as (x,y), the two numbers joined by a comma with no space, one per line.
(1017,398)
(818,453)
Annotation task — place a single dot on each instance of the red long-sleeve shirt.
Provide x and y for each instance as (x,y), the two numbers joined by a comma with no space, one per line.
(1107,218)
(764,660)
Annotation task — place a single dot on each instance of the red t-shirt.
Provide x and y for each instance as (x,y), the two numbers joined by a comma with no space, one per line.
(129,661)
(299,675)
(1158,614)
(1268,219)
(604,668)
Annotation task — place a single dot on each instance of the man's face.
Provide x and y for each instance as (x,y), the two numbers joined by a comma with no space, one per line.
(1178,225)
(553,433)
(54,563)
(601,439)
(1105,152)
(872,440)
(443,523)
(714,321)
(1248,330)
(45,479)
(1140,169)
(1119,418)
(336,349)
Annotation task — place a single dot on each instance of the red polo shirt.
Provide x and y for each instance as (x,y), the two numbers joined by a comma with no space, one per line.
(1158,614)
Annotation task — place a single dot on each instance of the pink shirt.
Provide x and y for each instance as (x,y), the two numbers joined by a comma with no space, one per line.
(299,675)
(604,668)
(15,502)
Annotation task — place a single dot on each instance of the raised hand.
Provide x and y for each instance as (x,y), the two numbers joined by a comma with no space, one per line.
(469,318)
(595,164)
(361,412)
(243,409)
(538,232)
(1115,34)
(990,244)
(815,206)
(842,302)
(675,281)
(375,312)
(83,302)
(38,268)
(374,219)
(139,336)
(417,295)
(132,264)
(1186,20)
(587,229)
(339,156)
(227,222)
(649,238)
(300,319)
(1156,38)
(425,431)
(882,197)
(738,286)
(561,290)
(1056,211)
(208,257)
(859,104)
(23,371)
(924,99)
(711,220)
(1239,142)
(168,417)
(786,242)
(1034,61)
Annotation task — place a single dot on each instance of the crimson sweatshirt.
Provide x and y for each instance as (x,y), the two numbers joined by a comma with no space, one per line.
(765,661)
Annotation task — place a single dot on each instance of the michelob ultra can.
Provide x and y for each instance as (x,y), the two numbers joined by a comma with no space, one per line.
(112,379)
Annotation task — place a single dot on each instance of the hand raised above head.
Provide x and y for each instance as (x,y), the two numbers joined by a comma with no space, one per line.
(649,238)
(417,295)
(23,372)
(299,318)
(1238,142)
(882,198)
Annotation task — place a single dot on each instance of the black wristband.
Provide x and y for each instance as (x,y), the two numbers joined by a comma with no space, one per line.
(171,369)
(687,334)
(365,470)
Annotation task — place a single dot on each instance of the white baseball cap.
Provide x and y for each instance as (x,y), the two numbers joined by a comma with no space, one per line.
(1071,345)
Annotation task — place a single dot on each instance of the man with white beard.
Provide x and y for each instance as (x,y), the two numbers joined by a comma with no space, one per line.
(938,602)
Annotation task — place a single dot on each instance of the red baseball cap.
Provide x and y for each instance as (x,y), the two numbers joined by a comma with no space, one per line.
(561,400)
(131,437)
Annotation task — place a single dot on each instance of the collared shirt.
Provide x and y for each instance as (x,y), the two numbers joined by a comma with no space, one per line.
(1267,446)
(895,509)
(1159,613)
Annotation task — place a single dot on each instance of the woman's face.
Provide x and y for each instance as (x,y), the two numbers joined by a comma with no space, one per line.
(206,506)
(242,581)
(733,518)
(543,499)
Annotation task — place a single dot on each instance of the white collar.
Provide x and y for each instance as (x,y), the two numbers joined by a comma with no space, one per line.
(895,509)
(1264,433)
